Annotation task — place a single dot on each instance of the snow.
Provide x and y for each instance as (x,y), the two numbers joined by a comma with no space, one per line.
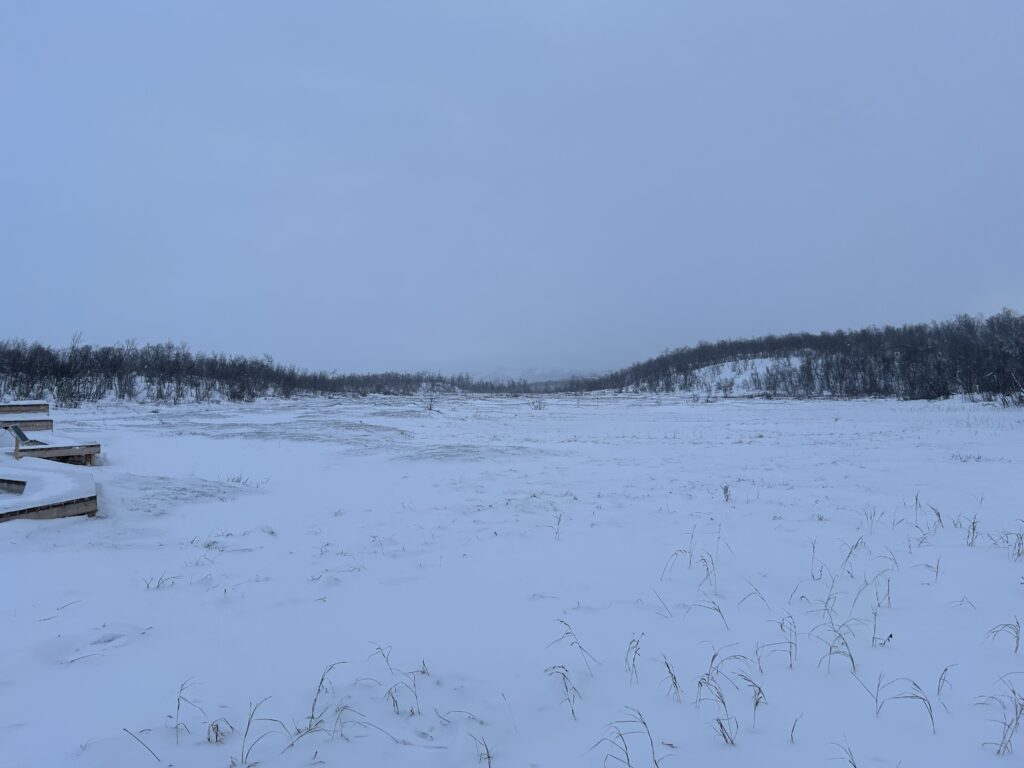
(443,554)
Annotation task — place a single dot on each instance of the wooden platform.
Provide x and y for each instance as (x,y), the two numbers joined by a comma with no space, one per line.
(27,424)
(25,406)
(12,486)
(84,454)
(30,416)
(34,489)
(71,508)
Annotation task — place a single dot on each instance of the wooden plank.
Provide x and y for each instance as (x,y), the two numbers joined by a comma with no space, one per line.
(86,506)
(59,451)
(29,424)
(12,486)
(24,408)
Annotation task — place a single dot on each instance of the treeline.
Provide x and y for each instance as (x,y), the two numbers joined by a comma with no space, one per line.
(975,356)
(171,372)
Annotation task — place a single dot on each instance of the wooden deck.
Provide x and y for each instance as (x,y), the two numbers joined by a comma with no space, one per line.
(25,406)
(84,454)
(33,489)
(30,416)
(33,418)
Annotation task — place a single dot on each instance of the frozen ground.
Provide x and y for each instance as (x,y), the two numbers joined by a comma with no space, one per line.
(493,576)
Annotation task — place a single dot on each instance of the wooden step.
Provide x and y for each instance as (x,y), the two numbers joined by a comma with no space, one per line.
(69,508)
(25,406)
(71,454)
(27,422)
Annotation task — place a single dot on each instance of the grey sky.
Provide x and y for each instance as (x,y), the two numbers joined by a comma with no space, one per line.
(522,185)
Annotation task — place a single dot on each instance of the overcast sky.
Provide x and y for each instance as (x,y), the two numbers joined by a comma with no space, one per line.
(522,187)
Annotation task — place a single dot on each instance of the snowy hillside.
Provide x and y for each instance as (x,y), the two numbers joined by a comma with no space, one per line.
(603,580)
(738,378)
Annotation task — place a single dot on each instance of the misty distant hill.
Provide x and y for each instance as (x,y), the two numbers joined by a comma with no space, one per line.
(976,356)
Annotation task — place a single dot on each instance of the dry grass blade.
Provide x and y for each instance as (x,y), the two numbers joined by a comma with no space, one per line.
(1011,629)
(570,635)
(143,744)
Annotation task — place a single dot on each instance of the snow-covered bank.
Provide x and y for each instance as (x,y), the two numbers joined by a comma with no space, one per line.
(495,576)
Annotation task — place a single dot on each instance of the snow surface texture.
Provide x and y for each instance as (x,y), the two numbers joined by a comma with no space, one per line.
(517,582)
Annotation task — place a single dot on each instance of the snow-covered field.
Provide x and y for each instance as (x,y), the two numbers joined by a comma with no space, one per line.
(517,582)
